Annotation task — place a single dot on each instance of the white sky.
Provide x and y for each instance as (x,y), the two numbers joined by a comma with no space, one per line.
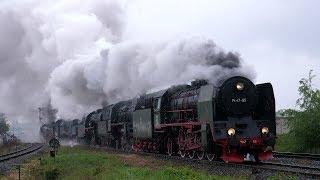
(279,39)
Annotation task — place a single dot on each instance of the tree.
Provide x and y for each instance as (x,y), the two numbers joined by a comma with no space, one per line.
(4,126)
(304,123)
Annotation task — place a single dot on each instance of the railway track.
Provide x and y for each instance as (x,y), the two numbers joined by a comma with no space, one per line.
(10,153)
(298,170)
(308,156)
(301,171)
(10,159)
(308,171)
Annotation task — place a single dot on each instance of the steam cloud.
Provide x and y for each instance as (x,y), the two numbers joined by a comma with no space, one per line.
(74,54)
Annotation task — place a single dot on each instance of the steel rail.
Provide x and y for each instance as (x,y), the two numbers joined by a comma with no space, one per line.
(10,153)
(296,169)
(20,153)
(297,155)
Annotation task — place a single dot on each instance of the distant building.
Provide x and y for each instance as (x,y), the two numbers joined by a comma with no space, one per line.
(281,123)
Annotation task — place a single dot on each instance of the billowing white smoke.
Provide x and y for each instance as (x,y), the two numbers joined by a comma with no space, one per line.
(128,69)
(74,54)
(37,37)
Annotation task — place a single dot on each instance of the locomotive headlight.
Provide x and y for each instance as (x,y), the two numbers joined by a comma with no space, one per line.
(265,130)
(231,132)
(240,86)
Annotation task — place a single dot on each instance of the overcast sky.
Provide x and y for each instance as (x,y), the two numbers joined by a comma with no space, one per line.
(82,53)
(280,39)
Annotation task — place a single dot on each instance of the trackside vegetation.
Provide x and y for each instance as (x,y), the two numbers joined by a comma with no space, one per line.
(4,126)
(304,123)
(77,163)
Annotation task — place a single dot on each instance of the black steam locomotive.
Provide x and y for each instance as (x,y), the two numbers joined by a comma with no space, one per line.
(233,122)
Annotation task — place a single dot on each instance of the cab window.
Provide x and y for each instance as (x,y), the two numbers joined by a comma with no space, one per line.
(156,103)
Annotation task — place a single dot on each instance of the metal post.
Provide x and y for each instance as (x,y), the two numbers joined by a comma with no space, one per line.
(19,171)
(16,142)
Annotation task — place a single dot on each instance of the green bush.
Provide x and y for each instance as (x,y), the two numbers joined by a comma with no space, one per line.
(304,123)
(51,174)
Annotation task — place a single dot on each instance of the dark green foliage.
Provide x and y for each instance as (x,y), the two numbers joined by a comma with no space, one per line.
(51,174)
(285,143)
(304,123)
(4,126)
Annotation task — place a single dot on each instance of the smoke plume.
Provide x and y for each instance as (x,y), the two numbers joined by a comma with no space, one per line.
(74,54)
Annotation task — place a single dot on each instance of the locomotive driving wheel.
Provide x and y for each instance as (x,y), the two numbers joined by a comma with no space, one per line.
(134,148)
(182,143)
(182,153)
(191,154)
(200,154)
(169,147)
(210,156)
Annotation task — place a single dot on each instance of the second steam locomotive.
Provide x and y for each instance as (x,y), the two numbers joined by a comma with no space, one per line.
(234,122)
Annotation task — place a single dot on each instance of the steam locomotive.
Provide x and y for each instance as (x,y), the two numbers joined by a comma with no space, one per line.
(234,122)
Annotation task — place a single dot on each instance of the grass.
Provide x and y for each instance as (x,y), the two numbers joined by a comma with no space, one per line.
(284,143)
(76,163)
(282,176)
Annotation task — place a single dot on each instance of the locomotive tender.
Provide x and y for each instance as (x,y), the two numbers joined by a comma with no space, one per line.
(68,130)
(234,122)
